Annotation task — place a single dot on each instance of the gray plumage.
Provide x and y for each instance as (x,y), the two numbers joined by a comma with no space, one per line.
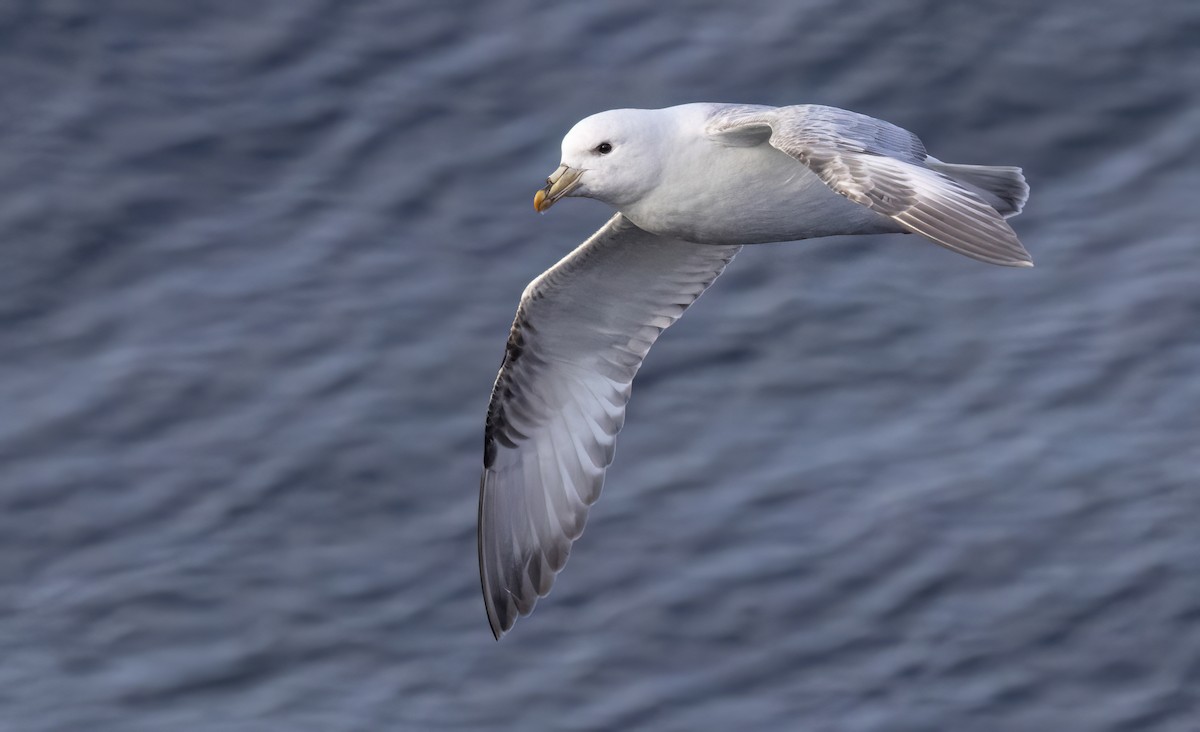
(692,184)
(580,334)
(886,168)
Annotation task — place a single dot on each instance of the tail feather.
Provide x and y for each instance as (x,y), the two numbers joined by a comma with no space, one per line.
(1003,187)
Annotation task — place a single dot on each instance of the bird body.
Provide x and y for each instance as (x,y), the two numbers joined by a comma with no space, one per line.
(759,193)
(692,185)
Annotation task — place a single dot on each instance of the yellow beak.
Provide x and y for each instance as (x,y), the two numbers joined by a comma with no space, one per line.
(560,183)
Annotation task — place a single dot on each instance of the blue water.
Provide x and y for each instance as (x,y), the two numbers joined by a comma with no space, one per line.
(257,266)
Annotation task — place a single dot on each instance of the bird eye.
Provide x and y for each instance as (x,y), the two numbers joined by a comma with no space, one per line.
(604,148)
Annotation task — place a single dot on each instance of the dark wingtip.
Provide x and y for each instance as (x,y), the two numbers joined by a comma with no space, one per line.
(494,621)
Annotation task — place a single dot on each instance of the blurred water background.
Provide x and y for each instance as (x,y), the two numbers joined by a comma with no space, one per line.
(258,265)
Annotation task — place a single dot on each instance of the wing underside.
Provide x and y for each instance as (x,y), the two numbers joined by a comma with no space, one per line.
(579,337)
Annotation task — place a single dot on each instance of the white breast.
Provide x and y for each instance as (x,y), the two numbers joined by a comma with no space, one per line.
(714,194)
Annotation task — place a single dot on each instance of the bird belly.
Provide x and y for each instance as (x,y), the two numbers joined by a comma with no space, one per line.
(751,196)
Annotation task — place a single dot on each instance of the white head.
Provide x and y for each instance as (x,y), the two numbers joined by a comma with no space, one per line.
(612,156)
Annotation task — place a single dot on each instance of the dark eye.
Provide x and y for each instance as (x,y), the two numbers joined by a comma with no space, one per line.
(604,148)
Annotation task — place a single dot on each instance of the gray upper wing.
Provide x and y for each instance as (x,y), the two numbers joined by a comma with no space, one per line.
(880,166)
(580,334)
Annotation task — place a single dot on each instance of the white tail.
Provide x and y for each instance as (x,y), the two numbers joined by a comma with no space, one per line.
(1003,187)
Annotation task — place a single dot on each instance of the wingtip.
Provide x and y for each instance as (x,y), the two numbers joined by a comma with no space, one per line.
(489,606)
(494,622)
(1022,263)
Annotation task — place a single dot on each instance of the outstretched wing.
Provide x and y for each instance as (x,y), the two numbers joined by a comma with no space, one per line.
(880,166)
(580,334)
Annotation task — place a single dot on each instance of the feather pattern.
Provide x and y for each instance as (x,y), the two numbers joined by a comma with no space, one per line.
(580,334)
(882,167)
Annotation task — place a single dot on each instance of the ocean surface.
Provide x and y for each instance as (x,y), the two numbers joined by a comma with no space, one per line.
(258,263)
